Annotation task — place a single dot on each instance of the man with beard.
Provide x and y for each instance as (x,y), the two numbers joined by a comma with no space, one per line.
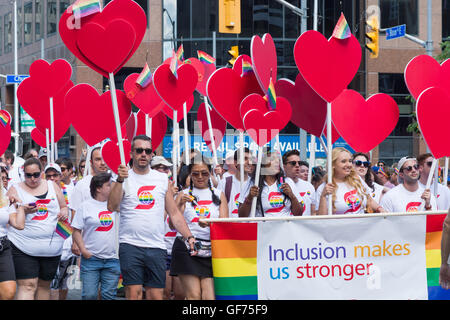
(141,195)
(408,196)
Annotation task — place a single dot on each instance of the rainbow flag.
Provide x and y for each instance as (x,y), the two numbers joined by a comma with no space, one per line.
(174,64)
(246,68)
(180,53)
(145,77)
(234,247)
(4,118)
(433,257)
(205,58)
(271,96)
(64,191)
(64,229)
(84,8)
(342,30)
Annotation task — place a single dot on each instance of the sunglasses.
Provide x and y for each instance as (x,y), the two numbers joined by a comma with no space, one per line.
(359,163)
(63,169)
(147,151)
(198,174)
(409,168)
(294,163)
(32,175)
(429,163)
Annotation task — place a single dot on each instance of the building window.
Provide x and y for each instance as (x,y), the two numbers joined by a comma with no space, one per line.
(398,12)
(38,20)
(63,5)
(19,26)
(445,20)
(8,32)
(27,22)
(51,17)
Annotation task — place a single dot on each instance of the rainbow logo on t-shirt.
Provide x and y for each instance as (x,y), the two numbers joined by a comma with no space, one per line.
(145,198)
(42,210)
(413,206)
(236,202)
(275,202)
(202,210)
(353,201)
(106,221)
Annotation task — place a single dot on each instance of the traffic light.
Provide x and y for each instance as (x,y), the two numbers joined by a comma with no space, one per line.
(234,53)
(372,35)
(230,16)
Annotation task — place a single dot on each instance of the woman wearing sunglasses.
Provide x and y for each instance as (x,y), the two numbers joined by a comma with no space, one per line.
(200,200)
(349,192)
(37,248)
(275,195)
(361,164)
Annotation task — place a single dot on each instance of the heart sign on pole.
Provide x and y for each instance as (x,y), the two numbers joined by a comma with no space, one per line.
(146,99)
(327,65)
(433,104)
(5,130)
(110,154)
(218,126)
(358,120)
(264,59)
(424,72)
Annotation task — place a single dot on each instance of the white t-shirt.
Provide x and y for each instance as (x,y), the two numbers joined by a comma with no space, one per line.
(398,199)
(273,201)
(306,194)
(142,210)
(233,203)
(348,200)
(81,192)
(39,238)
(205,209)
(4,218)
(442,195)
(99,228)
(169,236)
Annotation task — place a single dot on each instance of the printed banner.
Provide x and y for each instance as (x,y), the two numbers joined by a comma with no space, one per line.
(392,258)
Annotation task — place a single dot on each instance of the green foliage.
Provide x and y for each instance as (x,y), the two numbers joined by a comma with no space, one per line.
(445,54)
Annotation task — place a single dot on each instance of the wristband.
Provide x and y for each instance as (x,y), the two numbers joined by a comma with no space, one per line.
(188,238)
(119,181)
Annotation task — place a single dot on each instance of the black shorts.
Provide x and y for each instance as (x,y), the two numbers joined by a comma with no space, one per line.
(143,266)
(7,272)
(30,267)
(184,263)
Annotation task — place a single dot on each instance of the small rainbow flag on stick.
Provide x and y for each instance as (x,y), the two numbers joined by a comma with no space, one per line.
(271,95)
(205,58)
(84,8)
(180,53)
(246,67)
(4,118)
(342,30)
(64,229)
(174,64)
(145,78)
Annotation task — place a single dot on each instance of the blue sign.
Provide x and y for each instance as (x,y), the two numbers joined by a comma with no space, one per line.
(12,78)
(396,32)
(231,143)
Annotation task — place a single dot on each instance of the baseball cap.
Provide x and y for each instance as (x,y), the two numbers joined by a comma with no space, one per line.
(53,166)
(402,162)
(42,153)
(157,160)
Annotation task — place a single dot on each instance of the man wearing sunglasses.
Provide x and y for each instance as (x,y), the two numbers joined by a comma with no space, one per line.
(142,195)
(441,192)
(408,196)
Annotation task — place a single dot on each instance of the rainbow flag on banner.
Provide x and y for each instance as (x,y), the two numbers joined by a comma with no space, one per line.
(205,58)
(342,30)
(145,77)
(64,229)
(433,257)
(233,248)
(84,8)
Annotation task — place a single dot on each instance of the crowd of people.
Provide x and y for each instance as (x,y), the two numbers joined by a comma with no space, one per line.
(142,226)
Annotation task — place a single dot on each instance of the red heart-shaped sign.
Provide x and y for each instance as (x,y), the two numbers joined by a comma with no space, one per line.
(180,115)
(159,127)
(423,72)
(237,66)
(434,104)
(111,155)
(38,137)
(327,65)
(198,66)
(261,124)
(50,78)
(146,99)
(5,130)
(204,72)
(264,60)
(227,89)
(334,133)
(70,30)
(354,117)
(129,127)
(174,92)
(86,107)
(218,126)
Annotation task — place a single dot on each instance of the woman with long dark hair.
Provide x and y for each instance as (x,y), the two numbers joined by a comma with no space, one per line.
(275,197)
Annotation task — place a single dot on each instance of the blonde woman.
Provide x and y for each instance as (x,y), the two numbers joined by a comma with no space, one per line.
(348,191)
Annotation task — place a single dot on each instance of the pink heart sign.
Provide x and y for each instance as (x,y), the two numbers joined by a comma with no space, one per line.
(261,124)
(434,104)
(264,60)
(423,72)
(226,90)
(104,33)
(111,155)
(5,131)
(327,65)
(358,121)
(159,127)
(146,99)
(218,124)
(86,107)
(174,92)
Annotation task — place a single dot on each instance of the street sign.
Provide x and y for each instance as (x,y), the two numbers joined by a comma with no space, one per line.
(12,78)
(396,32)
